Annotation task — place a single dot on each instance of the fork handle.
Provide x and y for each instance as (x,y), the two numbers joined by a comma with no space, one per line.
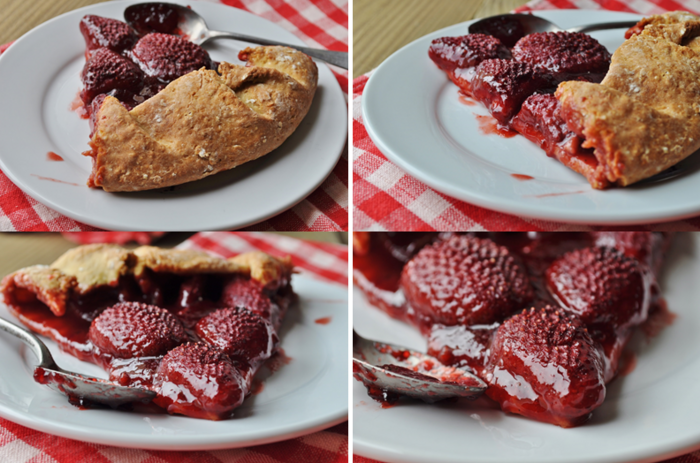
(39,348)
(604,26)
(337,58)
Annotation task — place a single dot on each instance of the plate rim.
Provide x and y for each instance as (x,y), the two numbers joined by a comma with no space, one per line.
(284,202)
(508,205)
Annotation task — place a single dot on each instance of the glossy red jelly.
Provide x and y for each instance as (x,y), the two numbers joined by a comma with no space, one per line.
(131,328)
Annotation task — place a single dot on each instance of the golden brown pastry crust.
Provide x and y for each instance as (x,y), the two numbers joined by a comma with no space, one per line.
(82,269)
(203,123)
(95,265)
(644,116)
(51,286)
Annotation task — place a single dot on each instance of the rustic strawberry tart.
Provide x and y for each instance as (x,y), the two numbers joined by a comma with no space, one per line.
(542,318)
(193,328)
(616,119)
(163,113)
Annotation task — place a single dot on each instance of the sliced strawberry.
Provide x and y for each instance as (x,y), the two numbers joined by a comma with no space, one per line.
(134,329)
(602,286)
(544,365)
(248,293)
(465,280)
(241,334)
(109,33)
(200,381)
(540,121)
(503,85)
(110,73)
(564,54)
(466,51)
(167,57)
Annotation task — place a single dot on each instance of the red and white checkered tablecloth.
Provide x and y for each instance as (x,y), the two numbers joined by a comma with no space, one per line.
(320,24)
(386,198)
(689,458)
(325,261)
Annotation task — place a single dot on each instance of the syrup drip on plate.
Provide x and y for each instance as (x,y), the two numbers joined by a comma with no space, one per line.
(54,180)
(489,126)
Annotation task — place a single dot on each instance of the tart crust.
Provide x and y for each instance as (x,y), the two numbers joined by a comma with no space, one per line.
(644,117)
(85,268)
(203,123)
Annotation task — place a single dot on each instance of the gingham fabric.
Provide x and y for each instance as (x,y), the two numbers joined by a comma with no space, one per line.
(689,458)
(386,198)
(320,24)
(325,261)
(120,238)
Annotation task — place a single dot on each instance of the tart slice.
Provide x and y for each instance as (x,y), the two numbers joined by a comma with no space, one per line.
(203,123)
(644,117)
(162,113)
(615,125)
(193,328)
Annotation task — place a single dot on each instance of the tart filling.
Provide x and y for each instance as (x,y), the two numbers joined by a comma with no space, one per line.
(154,318)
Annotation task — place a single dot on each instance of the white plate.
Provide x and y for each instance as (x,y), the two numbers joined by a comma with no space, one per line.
(40,77)
(413,114)
(307,395)
(647,415)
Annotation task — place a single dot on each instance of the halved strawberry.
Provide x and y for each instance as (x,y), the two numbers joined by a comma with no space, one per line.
(564,54)
(464,281)
(544,365)
(110,73)
(241,334)
(100,32)
(134,329)
(248,293)
(503,85)
(167,57)
(199,380)
(465,51)
(602,286)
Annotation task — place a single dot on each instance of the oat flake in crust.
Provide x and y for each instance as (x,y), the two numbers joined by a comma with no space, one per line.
(644,117)
(203,123)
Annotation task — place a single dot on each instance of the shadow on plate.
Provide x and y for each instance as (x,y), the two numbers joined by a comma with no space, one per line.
(688,166)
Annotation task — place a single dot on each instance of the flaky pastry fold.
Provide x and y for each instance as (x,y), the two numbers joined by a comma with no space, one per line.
(85,268)
(644,117)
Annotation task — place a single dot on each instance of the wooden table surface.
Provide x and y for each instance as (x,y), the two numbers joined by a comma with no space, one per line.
(20,250)
(20,16)
(380,27)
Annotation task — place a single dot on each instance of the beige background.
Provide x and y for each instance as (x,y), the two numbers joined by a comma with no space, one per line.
(20,250)
(20,16)
(381,27)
